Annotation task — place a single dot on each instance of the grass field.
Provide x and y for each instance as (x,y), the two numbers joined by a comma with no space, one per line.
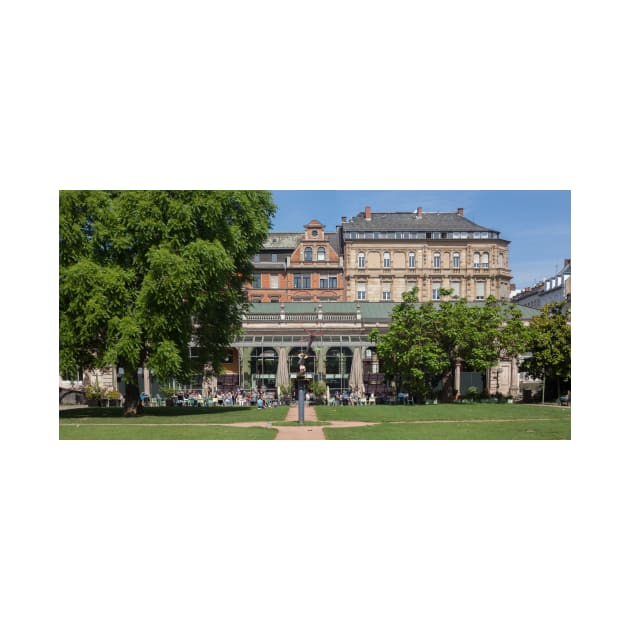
(419,422)
(173,415)
(412,413)
(148,432)
(511,430)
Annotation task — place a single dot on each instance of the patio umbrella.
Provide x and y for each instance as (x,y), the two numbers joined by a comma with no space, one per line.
(282,373)
(356,372)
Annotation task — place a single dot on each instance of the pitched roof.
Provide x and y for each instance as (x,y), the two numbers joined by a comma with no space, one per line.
(410,221)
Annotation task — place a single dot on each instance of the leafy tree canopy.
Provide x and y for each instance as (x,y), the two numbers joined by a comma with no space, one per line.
(142,273)
(550,344)
(425,340)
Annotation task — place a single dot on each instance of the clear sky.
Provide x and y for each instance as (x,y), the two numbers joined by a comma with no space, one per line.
(537,223)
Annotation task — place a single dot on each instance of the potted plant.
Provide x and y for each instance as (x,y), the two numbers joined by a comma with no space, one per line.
(168,393)
(113,398)
(93,393)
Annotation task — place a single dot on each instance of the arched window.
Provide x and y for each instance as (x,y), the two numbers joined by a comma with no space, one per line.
(500,259)
(412,260)
(387,260)
(456,260)
(485,260)
(436,260)
(338,364)
(361,260)
(308,254)
(321,253)
(476,260)
(264,365)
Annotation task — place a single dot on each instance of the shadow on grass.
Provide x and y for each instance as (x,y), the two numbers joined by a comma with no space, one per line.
(163,415)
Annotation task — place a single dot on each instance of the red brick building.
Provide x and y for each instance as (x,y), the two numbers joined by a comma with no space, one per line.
(298,267)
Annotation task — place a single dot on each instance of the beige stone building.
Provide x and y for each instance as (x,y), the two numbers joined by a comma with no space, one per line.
(386,254)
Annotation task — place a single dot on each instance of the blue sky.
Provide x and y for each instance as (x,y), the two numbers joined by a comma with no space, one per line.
(537,223)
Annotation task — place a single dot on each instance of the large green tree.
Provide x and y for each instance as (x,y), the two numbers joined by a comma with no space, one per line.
(143,273)
(424,341)
(550,346)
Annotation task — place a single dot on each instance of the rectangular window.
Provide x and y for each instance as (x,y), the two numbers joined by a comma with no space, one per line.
(480,293)
(273,281)
(387,291)
(435,289)
(456,286)
(328,282)
(256,282)
(302,281)
(361,288)
(274,257)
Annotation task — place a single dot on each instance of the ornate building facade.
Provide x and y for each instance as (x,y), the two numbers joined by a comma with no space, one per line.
(389,253)
(298,267)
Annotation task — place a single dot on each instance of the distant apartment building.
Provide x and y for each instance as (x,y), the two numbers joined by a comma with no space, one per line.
(388,253)
(298,267)
(556,288)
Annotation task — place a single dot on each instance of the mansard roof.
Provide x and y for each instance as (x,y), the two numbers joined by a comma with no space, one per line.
(410,221)
(290,240)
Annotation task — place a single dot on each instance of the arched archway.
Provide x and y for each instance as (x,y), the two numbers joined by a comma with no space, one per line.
(263,365)
(338,364)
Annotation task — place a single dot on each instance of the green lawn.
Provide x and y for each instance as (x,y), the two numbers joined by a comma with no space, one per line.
(510,430)
(411,413)
(173,415)
(144,432)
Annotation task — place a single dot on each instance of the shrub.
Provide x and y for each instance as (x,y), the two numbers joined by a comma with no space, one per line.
(471,393)
(93,392)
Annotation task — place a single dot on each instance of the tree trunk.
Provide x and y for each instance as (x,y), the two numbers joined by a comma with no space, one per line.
(446,394)
(133,404)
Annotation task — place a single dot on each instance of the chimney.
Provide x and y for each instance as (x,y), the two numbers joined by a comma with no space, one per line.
(368,213)
(419,212)
(460,212)
(344,219)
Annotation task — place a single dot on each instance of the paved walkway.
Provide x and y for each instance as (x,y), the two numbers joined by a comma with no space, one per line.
(301,432)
